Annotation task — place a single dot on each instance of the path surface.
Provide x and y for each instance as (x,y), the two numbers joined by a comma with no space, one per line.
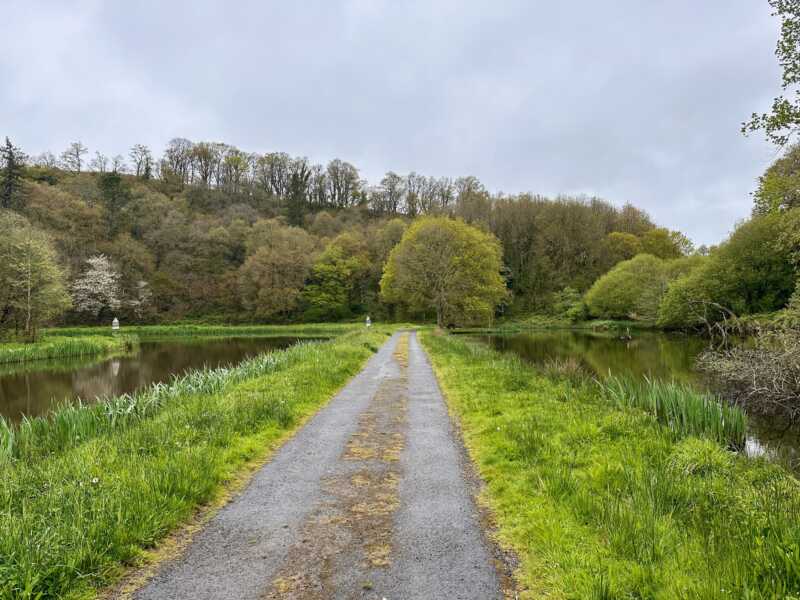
(369,500)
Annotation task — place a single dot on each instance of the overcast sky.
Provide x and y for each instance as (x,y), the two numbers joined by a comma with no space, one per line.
(632,100)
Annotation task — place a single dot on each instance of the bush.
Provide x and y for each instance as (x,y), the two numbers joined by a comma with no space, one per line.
(631,290)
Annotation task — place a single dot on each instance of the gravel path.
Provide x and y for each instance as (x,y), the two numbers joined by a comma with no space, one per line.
(371,499)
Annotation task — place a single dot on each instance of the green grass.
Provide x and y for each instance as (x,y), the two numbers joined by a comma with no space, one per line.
(192,329)
(86,489)
(519,324)
(63,346)
(604,501)
(680,408)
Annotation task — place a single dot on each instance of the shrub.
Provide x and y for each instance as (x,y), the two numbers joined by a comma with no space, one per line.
(631,290)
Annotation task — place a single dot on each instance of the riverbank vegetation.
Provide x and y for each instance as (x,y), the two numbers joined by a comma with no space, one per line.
(87,488)
(214,330)
(65,346)
(763,376)
(601,500)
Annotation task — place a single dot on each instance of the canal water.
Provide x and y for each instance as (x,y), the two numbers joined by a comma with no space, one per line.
(656,355)
(35,387)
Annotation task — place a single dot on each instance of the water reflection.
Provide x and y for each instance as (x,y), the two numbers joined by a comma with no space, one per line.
(33,388)
(655,355)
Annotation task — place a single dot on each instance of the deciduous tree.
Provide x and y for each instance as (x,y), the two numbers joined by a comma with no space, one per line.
(446,266)
(33,288)
(72,157)
(96,292)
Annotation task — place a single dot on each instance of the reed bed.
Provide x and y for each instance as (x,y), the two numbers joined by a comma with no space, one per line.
(84,490)
(66,347)
(600,499)
(681,408)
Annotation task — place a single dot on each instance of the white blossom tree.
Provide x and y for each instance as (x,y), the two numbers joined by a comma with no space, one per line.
(97,289)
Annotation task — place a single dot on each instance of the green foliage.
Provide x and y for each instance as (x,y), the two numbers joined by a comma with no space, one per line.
(333,291)
(116,195)
(446,266)
(779,187)
(680,408)
(179,234)
(665,244)
(783,119)
(632,289)
(273,275)
(89,487)
(33,289)
(12,163)
(600,501)
(549,245)
(750,273)
(569,304)
(622,246)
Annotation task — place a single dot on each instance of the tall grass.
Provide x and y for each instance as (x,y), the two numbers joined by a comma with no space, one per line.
(681,408)
(87,488)
(65,347)
(73,423)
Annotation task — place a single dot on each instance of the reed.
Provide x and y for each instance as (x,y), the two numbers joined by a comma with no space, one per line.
(681,408)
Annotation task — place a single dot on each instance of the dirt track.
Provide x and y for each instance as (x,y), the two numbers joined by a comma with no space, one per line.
(371,499)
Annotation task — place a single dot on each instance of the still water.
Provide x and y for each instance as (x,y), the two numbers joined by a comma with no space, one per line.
(655,355)
(33,388)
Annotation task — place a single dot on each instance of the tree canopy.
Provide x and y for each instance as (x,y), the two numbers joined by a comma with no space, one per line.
(446,266)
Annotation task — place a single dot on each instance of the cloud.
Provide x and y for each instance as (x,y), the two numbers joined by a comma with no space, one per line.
(633,101)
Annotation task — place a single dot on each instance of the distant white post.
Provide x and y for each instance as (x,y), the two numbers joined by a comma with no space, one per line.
(115,324)
(369,321)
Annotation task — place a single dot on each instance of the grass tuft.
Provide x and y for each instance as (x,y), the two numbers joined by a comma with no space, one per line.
(679,407)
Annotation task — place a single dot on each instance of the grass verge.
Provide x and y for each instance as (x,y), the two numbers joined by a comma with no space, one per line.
(602,501)
(191,329)
(62,346)
(91,487)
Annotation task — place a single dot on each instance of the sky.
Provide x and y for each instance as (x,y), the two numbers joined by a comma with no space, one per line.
(636,101)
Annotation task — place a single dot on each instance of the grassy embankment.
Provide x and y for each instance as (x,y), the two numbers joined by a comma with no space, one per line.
(64,346)
(513,325)
(212,330)
(84,490)
(602,499)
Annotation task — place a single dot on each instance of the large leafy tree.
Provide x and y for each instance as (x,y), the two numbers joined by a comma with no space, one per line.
(336,285)
(782,121)
(446,266)
(32,290)
(272,276)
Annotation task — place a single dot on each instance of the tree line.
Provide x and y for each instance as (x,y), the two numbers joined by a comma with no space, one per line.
(207,230)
